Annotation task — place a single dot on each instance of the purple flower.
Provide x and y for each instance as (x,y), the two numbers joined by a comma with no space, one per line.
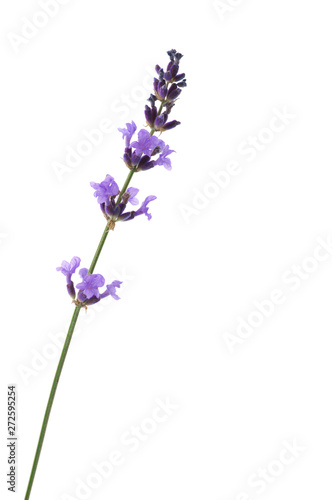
(128,132)
(105,189)
(111,290)
(125,216)
(132,195)
(144,207)
(90,284)
(146,143)
(68,269)
(163,160)
(89,288)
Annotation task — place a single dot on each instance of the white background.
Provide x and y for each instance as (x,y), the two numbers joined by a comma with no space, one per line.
(188,280)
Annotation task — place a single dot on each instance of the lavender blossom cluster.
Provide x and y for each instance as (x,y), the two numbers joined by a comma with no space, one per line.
(146,151)
(89,292)
(107,194)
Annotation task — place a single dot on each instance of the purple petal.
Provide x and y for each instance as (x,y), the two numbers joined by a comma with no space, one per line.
(97,280)
(112,289)
(163,160)
(105,189)
(91,293)
(83,272)
(81,286)
(128,132)
(74,264)
(146,143)
(133,192)
(144,207)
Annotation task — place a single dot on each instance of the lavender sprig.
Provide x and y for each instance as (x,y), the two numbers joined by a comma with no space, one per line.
(142,154)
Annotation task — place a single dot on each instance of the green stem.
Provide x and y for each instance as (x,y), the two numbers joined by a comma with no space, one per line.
(126,184)
(99,249)
(51,399)
(69,337)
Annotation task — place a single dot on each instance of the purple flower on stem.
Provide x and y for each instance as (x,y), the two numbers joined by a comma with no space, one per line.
(105,189)
(144,207)
(111,290)
(146,143)
(68,269)
(125,216)
(113,204)
(90,284)
(128,132)
(89,288)
(163,160)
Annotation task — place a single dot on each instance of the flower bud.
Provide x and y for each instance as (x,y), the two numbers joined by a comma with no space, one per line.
(71,290)
(179,77)
(160,121)
(170,125)
(182,84)
(173,93)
